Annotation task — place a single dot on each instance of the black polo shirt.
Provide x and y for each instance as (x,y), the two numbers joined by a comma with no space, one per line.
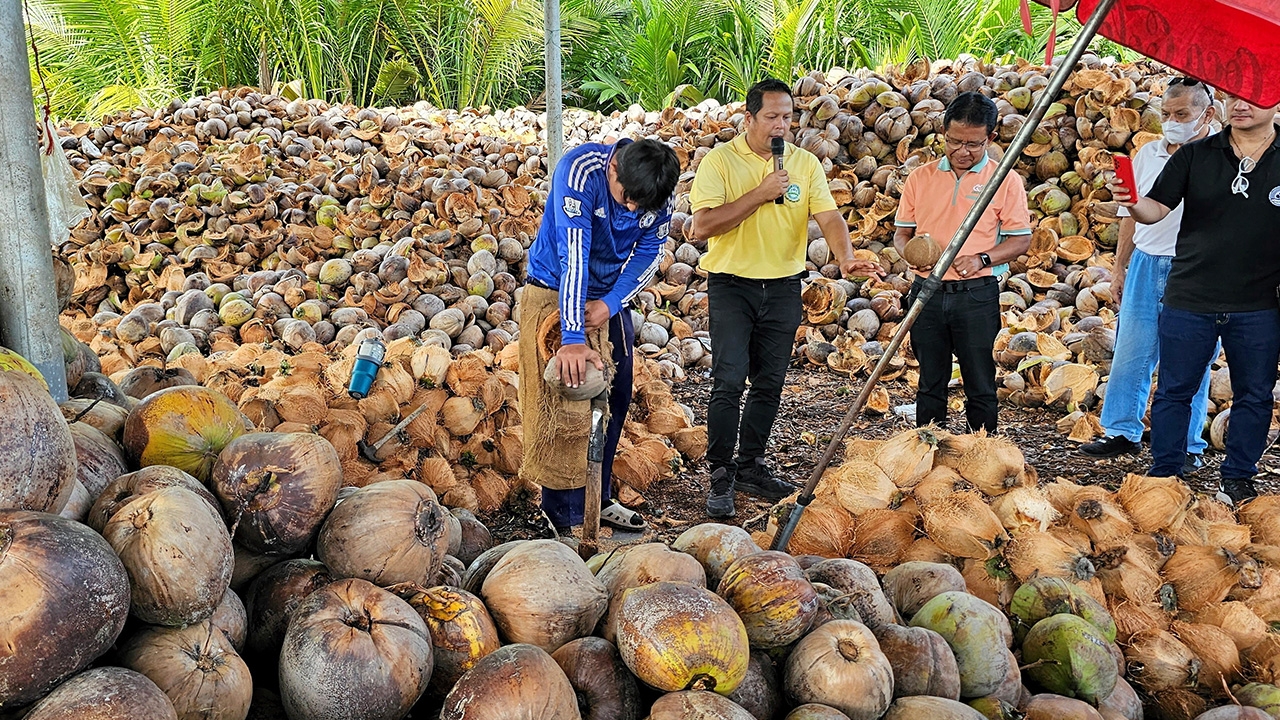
(1228,253)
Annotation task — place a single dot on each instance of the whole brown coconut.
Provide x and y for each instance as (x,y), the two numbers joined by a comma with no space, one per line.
(99,460)
(858,582)
(272,597)
(126,488)
(475,536)
(1047,706)
(354,650)
(840,664)
(761,691)
(630,567)
(178,554)
(105,693)
(106,417)
(921,251)
(461,630)
(816,711)
(605,688)
(924,707)
(697,705)
(517,682)
(147,380)
(37,450)
(716,546)
(771,594)
(232,619)
(922,662)
(676,636)
(197,667)
(479,568)
(387,533)
(912,584)
(276,488)
(64,598)
(184,426)
(516,593)
(96,386)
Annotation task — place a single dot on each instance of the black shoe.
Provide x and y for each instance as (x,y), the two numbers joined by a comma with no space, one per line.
(1191,465)
(720,499)
(758,479)
(1109,447)
(1238,490)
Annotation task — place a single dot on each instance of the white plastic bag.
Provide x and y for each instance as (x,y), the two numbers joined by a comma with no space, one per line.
(61,189)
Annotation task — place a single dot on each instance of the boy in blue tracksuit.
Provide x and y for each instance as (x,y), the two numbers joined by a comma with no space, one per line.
(604,224)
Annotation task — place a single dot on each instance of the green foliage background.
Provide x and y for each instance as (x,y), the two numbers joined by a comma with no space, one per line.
(101,56)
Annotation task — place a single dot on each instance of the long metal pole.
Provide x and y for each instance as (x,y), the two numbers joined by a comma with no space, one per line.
(28,305)
(934,281)
(555,84)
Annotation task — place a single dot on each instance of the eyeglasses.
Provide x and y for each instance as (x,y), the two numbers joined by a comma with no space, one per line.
(1240,186)
(1192,82)
(970,146)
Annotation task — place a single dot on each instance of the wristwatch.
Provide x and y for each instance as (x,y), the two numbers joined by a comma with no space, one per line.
(985,258)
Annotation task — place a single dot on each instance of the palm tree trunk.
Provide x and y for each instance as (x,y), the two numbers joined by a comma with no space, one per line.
(264,68)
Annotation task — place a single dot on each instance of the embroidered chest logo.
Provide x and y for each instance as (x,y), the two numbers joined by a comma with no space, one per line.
(572,207)
(600,213)
(664,229)
(1275,197)
(793,193)
(647,219)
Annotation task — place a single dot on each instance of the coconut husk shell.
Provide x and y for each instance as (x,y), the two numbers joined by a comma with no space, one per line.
(1236,620)
(1154,504)
(1157,661)
(1095,513)
(1219,658)
(1039,554)
(881,537)
(604,685)
(941,483)
(964,526)
(992,464)
(908,456)
(1134,617)
(1262,514)
(1126,573)
(1202,576)
(1024,509)
(925,549)
(825,529)
(388,532)
(548,621)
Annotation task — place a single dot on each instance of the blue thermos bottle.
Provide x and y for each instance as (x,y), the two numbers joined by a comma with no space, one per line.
(368,360)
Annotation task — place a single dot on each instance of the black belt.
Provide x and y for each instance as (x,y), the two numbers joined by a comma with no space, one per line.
(955,286)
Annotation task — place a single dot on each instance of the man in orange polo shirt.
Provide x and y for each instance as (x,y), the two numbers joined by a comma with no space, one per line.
(963,316)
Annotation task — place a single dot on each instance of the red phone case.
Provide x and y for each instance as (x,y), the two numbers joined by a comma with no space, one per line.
(1124,174)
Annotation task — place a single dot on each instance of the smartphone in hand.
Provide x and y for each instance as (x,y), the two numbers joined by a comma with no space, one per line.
(1124,174)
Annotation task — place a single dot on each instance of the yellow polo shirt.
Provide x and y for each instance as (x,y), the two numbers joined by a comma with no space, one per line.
(773,241)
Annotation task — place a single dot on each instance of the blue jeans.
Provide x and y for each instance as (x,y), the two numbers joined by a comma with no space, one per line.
(565,507)
(1137,352)
(1187,343)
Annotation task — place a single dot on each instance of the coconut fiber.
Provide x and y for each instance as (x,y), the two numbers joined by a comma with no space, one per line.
(555,430)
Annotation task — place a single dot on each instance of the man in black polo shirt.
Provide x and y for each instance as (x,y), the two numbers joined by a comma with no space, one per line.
(1223,286)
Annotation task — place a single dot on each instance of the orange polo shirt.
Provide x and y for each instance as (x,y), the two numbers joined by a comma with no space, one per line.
(935,201)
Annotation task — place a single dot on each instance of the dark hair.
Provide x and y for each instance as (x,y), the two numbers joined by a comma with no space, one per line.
(972,108)
(755,94)
(648,171)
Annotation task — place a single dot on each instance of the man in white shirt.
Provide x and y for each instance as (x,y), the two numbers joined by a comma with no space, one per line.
(1144,256)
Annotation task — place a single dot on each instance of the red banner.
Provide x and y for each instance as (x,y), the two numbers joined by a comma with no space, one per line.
(1234,45)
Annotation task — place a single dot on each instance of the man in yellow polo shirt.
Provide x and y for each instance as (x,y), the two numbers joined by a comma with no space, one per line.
(963,316)
(755,221)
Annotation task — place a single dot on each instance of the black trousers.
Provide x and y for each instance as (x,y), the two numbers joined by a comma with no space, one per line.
(753,330)
(962,318)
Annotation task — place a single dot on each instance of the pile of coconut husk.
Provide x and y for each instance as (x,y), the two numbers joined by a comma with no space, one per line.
(1192,585)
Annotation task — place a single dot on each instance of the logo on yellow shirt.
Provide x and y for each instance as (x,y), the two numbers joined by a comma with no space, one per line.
(793,192)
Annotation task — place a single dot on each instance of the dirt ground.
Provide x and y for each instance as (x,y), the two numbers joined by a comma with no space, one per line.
(814,401)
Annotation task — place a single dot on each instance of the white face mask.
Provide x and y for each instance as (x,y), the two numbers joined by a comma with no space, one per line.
(1177,133)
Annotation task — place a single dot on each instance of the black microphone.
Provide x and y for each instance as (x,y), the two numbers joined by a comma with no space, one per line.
(777,146)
